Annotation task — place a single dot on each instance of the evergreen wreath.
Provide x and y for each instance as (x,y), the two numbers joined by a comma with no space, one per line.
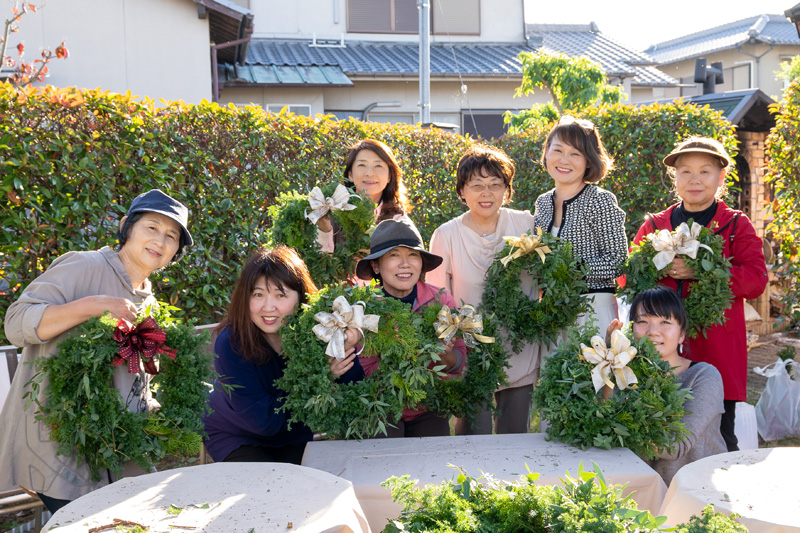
(644,418)
(291,227)
(87,416)
(364,408)
(709,293)
(465,395)
(561,282)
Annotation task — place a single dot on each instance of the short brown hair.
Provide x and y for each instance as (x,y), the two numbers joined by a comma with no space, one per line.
(283,267)
(582,135)
(394,198)
(482,160)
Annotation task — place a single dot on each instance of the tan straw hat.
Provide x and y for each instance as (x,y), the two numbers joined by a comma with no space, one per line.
(699,146)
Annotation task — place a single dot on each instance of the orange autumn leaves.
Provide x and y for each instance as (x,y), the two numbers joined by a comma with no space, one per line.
(25,72)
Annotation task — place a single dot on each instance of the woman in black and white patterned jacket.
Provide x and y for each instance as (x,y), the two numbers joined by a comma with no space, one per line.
(582,213)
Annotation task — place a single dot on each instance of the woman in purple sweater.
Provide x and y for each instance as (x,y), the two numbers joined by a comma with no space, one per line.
(244,425)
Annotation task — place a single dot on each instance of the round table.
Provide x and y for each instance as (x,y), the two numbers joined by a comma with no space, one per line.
(760,485)
(223,497)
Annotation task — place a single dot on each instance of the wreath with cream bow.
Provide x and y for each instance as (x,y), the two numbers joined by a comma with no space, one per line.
(294,217)
(464,395)
(87,415)
(550,262)
(364,408)
(709,293)
(644,412)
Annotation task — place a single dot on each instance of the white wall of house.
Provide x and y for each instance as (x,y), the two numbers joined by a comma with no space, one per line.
(500,20)
(154,48)
(748,72)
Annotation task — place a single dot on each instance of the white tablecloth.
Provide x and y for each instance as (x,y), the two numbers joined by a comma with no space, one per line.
(761,485)
(221,497)
(368,463)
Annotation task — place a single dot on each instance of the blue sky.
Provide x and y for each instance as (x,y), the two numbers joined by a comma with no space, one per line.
(640,23)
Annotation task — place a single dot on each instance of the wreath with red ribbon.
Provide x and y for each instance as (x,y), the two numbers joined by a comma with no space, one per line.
(87,415)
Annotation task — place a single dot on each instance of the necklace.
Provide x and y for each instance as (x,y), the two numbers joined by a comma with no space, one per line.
(481,231)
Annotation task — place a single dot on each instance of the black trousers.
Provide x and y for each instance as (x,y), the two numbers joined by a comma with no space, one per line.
(427,424)
(52,504)
(727,425)
(262,454)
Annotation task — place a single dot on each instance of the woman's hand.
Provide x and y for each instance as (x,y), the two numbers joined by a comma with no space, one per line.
(339,367)
(324,224)
(449,356)
(57,319)
(679,270)
(352,338)
(612,327)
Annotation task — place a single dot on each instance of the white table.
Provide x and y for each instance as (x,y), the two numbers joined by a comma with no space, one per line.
(221,497)
(761,485)
(367,463)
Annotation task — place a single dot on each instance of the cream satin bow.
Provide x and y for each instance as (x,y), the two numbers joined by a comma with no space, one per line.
(683,241)
(525,244)
(320,205)
(332,326)
(608,359)
(467,320)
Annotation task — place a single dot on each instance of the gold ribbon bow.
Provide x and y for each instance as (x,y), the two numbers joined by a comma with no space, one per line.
(610,359)
(467,320)
(682,241)
(332,326)
(525,244)
(320,205)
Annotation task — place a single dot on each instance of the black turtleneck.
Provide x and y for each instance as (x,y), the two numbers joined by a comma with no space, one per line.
(405,299)
(704,217)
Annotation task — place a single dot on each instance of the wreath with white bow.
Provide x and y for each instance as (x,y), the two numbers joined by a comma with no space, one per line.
(294,217)
(361,409)
(644,412)
(709,294)
(550,262)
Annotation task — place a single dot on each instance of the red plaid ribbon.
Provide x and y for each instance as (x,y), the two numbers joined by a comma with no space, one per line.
(145,339)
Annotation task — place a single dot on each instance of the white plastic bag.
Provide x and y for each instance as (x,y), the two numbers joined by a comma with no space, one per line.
(778,409)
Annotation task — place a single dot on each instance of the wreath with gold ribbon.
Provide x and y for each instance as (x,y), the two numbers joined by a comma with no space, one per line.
(294,218)
(709,293)
(87,415)
(549,262)
(645,407)
(361,409)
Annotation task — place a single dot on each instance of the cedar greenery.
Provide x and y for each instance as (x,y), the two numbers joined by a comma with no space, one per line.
(644,419)
(483,373)
(709,294)
(87,416)
(292,228)
(485,505)
(560,278)
(361,409)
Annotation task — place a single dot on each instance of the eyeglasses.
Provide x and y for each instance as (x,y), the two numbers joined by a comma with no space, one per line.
(566,120)
(480,187)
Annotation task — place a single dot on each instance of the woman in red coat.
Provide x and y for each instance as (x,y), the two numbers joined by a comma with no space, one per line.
(700,165)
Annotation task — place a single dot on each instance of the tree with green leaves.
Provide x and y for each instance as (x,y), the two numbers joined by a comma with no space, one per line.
(574,83)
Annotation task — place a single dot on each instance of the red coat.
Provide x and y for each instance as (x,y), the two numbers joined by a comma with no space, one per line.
(725,346)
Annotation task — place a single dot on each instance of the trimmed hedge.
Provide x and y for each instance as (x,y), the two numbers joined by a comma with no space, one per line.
(73,160)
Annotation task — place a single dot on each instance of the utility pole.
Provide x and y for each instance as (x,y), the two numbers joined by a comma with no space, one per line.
(424,7)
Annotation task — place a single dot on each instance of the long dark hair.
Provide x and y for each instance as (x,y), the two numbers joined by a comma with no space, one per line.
(394,198)
(281,266)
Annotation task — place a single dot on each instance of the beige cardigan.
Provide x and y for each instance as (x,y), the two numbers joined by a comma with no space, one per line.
(27,455)
(467,256)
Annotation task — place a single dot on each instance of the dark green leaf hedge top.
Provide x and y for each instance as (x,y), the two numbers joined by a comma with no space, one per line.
(709,294)
(360,409)
(560,278)
(644,419)
(292,228)
(87,416)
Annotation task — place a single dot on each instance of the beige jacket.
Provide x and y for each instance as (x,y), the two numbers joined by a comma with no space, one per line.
(27,456)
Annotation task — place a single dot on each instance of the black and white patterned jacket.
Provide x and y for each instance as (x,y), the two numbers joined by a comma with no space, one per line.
(595,225)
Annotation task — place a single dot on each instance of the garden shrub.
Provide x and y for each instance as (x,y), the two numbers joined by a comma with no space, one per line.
(72,161)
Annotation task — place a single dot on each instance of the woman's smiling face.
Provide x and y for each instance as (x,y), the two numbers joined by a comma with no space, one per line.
(270,305)
(565,163)
(400,269)
(370,174)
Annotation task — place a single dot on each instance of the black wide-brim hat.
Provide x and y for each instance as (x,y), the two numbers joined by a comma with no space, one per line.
(390,234)
(155,201)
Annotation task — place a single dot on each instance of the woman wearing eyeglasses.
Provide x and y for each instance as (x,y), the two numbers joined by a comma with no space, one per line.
(582,213)
(467,245)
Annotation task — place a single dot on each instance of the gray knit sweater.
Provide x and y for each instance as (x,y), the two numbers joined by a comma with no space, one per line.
(705,413)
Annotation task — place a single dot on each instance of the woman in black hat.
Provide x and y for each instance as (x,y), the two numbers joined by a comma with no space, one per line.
(699,166)
(76,287)
(398,260)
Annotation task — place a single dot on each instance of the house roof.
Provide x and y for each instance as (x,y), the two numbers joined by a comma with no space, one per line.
(227,21)
(587,40)
(760,29)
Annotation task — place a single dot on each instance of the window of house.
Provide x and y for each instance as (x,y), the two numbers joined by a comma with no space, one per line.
(382,16)
(456,17)
(488,124)
(297,109)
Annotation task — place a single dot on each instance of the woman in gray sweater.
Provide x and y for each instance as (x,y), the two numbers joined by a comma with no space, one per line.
(659,314)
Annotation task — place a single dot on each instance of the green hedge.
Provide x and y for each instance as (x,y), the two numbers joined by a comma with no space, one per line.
(73,160)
